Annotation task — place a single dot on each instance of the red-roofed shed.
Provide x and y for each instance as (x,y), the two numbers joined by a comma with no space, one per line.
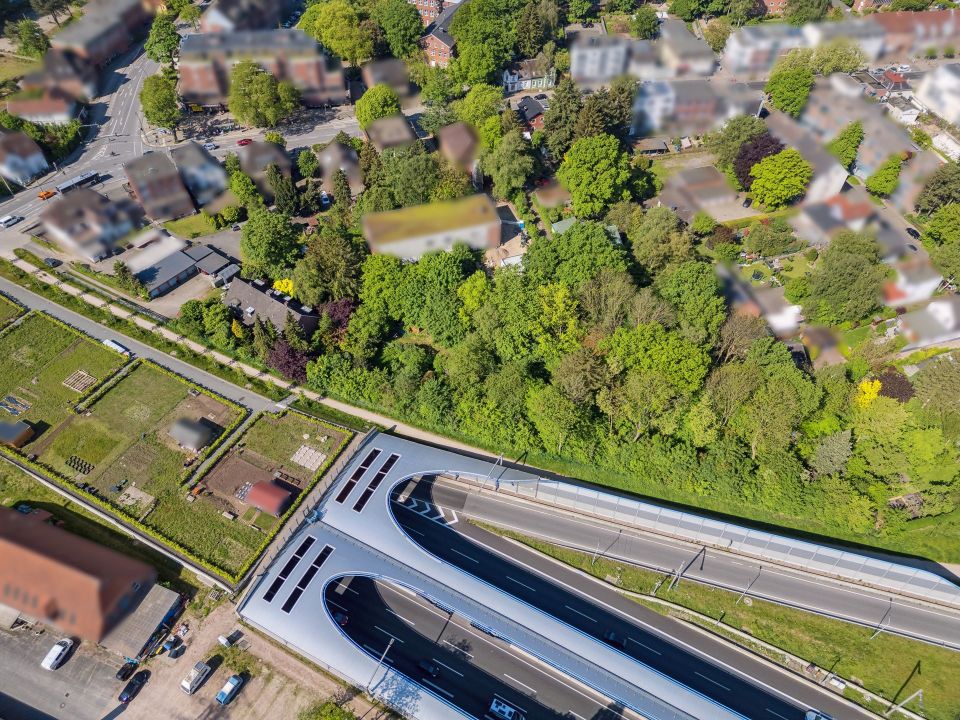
(269,497)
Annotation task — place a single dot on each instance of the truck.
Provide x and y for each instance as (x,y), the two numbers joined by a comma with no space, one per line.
(114,345)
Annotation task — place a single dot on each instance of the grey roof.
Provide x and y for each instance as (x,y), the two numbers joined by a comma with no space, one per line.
(287,41)
(133,632)
(440,28)
(792,134)
(191,434)
(529,109)
(98,19)
(209,260)
(676,34)
(257,299)
(165,270)
(10,431)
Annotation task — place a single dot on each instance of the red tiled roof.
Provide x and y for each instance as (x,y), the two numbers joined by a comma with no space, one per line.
(269,497)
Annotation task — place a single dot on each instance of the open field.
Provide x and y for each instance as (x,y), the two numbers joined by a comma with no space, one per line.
(884,665)
(14,67)
(36,357)
(8,310)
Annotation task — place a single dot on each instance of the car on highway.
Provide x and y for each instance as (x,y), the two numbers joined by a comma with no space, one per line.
(611,638)
(56,656)
(429,667)
(134,686)
(46,194)
(229,690)
(341,619)
(10,220)
(816,715)
(52,262)
(244,141)
(126,670)
(210,146)
(914,233)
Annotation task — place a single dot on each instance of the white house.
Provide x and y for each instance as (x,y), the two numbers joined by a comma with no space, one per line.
(598,59)
(754,49)
(867,34)
(525,75)
(939,92)
(938,322)
(915,281)
(21,159)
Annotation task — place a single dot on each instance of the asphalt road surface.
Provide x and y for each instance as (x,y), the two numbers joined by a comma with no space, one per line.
(473,667)
(736,573)
(711,667)
(227,389)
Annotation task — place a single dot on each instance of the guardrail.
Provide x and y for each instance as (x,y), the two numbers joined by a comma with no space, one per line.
(697,529)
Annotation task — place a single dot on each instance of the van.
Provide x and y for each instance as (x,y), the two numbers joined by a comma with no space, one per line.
(505,710)
(57,654)
(8,220)
(195,679)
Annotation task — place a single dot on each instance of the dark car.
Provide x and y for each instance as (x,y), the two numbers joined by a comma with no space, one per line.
(914,233)
(616,640)
(235,227)
(172,642)
(126,670)
(134,686)
(341,619)
(429,667)
(52,262)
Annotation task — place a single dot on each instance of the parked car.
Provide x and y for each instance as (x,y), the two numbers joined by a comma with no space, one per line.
(46,194)
(134,686)
(126,670)
(914,233)
(244,141)
(9,220)
(52,262)
(57,654)
(229,690)
(210,146)
(429,667)
(543,100)
(198,673)
(235,227)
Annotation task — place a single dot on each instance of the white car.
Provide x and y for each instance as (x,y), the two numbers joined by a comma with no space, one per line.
(210,146)
(57,654)
(9,220)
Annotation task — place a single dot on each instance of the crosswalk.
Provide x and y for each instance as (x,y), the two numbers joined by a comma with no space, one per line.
(434,513)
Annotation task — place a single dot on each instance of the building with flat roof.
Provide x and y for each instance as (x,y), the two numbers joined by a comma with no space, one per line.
(87,223)
(413,231)
(192,435)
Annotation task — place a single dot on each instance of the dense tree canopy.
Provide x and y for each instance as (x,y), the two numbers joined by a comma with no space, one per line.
(377,102)
(163,40)
(751,152)
(845,145)
(159,102)
(269,244)
(257,99)
(597,174)
(941,188)
(884,180)
(789,86)
(780,178)
(401,24)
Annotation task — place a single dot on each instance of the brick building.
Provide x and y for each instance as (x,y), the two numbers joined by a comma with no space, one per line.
(429,9)
(437,41)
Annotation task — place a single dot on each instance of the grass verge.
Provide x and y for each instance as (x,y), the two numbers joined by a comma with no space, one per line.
(885,665)
(191,226)
(323,412)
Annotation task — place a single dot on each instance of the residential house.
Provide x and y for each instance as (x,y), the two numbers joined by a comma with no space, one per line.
(46,106)
(597,59)
(939,92)
(676,106)
(938,322)
(651,146)
(828,175)
(819,222)
(528,75)
(882,138)
(267,496)
(106,29)
(867,34)
(337,156)
(753,49)
(192,435)
(429,10)
(87,223)
(158,187)
(67,72)
(682,52)
(205,178)
(694,189)
(388,132)
(531,113)
(287,54)
(437,42)
(782,317)
(211,263)
(908,34)
(389,71)
(257,299)
(902,111)
(230,16)
(644,61)
(410,232)
(256,157)
(913,176)
(21,159)
(56,577)
(915,281)
(459,145)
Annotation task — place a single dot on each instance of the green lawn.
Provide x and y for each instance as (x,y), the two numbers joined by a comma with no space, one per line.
(851,339)
(14,67)
(191,226)
(882,664)
(277,438)
(8,310)
(36,357)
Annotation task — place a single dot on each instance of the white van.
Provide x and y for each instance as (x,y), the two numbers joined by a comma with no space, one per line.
(57,654)
(505,710)
(8,220)
(195,679)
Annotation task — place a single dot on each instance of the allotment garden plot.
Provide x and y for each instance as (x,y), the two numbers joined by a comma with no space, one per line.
(278,459)
(45,369)
(8,310)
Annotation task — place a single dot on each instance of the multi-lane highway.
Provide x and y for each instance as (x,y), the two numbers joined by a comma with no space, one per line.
(813,593)
(710,667)
(463,664)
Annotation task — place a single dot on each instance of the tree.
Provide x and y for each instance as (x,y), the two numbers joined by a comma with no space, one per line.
(751,152)
(288,360)
(555,416)
(163,40)
(789,87)
(269,244)
(769,237)
(780,178)
(716,32)
(657,240)
(725,143)
(573,257)
(53,8)
(688,10)
(272,136)
(559,120)
(217,322)
(578,10)
(284,193)
(944,226)
(597,173)
(436,84)
(28,37)
(845,283)
(191,14)
(158,99)
(377,102)
(530,31)
(338,27)
(245,190)
(257,99)
(942,188)
(838,55)
(845,145)
(479,105)
(693,289)
(702,224)
(307,163)
(401,24)
(509,165)
(885,178)
(921,138)
(644,23)
(800,12)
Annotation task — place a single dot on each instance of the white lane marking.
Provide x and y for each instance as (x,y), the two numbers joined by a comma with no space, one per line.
(773,712)
(466,556)
(406,620)
(377,627)
(630,639)
(455,672)
(410,529)
(520,583)
(437,688)
(580,613)
(459,650)
(335,604)
(378,653)
(521,684)
(708,679)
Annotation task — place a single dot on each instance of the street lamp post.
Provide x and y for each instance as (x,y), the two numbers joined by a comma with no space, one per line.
(379,663)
